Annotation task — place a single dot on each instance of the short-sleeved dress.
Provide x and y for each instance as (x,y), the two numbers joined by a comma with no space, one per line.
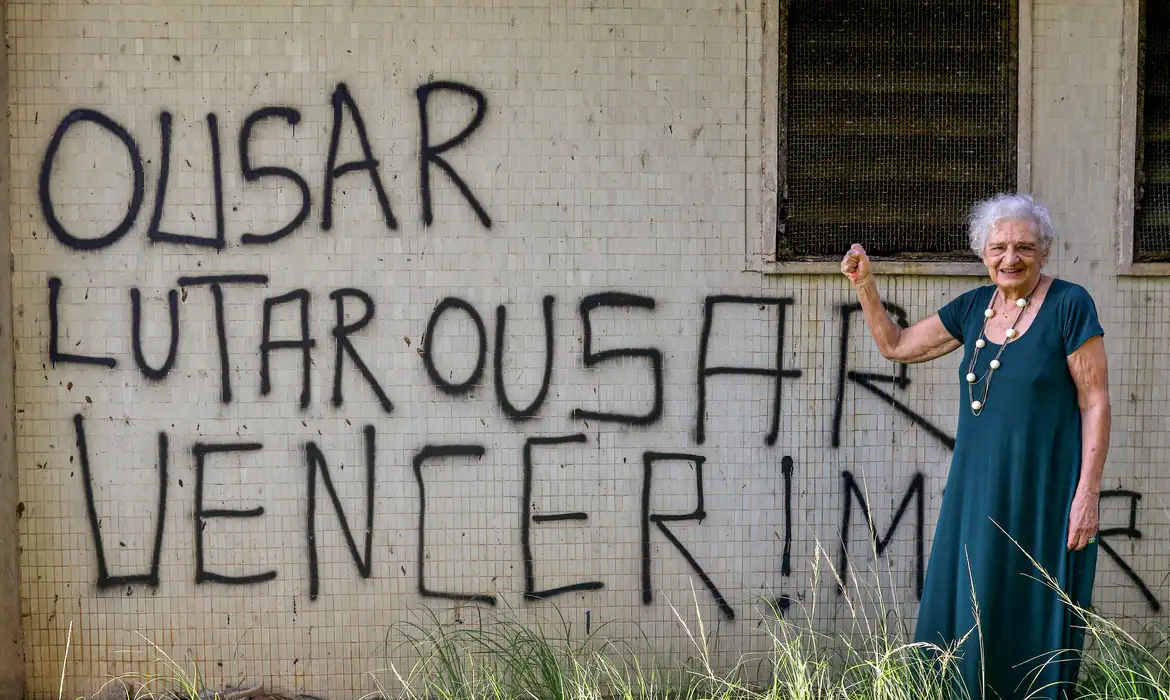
(1017,465)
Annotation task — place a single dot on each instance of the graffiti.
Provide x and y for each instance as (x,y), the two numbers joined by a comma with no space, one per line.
(354,340)
(869,381)
(317,465)
(160,373)
(915,494)
(155,232)
(319,471)
(778,371)
(472,380)
(75,117)
(787,470)
(527,517)
(345,351)
(55,354)
(429,453)
(252,174)
(660,520)
(430,154)
(343,102)
(782,603)
(104,579)
(217,283)
(305,344)
(614,299)
(1129,530)
(202,451)
(341,333)
(533,408)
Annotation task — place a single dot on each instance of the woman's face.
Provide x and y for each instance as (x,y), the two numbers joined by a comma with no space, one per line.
(1014,256)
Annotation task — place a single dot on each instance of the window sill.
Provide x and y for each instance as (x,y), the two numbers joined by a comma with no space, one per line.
(1149,269)
(883,267)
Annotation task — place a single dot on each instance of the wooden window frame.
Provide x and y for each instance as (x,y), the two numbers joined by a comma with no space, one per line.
(761,254)
(1132,66)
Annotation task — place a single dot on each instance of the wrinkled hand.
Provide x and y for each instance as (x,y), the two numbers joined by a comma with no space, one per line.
(855,265)
(1082,520)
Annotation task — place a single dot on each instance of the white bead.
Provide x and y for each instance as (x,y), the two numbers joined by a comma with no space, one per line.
(971,377)
(980,343)
(1021,303)
(1011,332)
(995,364)
(988,313)
(975,405)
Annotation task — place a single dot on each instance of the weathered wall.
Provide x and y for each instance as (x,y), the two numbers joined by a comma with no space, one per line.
(11,508)
(616,173)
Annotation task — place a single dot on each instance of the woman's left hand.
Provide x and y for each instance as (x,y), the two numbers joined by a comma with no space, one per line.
(1082,521)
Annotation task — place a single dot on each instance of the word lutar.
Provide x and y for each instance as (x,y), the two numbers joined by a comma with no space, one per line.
(344,347)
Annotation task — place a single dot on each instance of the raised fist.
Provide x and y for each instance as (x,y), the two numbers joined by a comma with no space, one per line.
(855,265)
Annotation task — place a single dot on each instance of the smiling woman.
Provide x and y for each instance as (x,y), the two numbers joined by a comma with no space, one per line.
(1025,477)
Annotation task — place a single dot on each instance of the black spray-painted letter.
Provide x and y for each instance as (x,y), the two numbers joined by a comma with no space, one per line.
(156,234)
(1130,529)
(341,333)
(305,343)
(216,283)
(429,154)
(202,575)
(317,465)
(251,173)
(916,494)
(426,454)
(870,380)
(45,184)
(428,345)
(105,580)
(778,372)
(527,518)
(343,100)
(511,411)
(55,353)
(618,299)
(152,373)
(660,520)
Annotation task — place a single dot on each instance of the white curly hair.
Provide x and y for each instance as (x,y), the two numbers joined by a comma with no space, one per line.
(1018,207)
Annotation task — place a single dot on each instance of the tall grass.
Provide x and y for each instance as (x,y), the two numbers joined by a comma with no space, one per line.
(499,656)
(1115,664)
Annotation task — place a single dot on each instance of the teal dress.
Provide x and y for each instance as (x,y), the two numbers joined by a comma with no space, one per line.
(1016,465)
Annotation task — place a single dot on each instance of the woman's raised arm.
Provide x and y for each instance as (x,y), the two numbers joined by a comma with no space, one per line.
(925,339)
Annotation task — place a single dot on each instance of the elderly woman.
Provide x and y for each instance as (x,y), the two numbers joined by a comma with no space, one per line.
(1033,432)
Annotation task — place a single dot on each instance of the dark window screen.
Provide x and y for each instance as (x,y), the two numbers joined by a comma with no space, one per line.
(896,116)
(1152,194)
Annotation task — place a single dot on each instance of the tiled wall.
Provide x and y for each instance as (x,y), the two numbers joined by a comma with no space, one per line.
(12,663)
(616,173)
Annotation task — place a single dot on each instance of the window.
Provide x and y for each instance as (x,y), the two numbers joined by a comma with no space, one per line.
(1152,173)
(894,118)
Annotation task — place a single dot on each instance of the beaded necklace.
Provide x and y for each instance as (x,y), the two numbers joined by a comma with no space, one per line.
(977,405)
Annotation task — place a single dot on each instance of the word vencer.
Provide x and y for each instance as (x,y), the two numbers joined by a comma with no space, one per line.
(318,472)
